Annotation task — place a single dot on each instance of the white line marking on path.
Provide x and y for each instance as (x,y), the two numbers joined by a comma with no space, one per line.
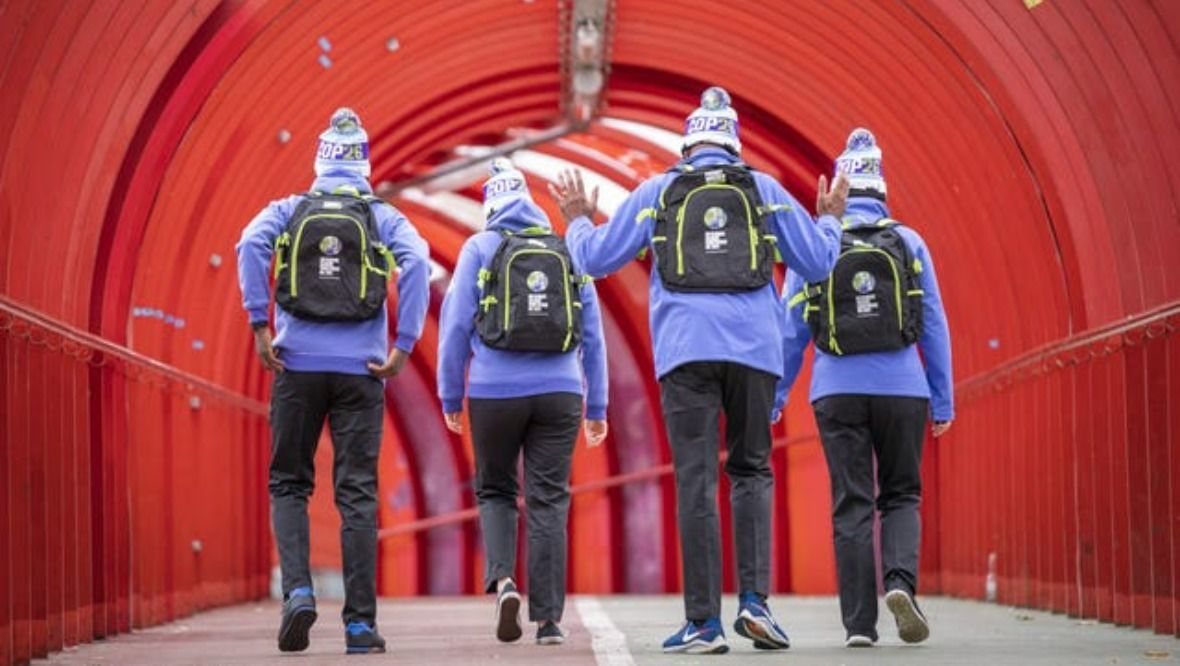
(610,645)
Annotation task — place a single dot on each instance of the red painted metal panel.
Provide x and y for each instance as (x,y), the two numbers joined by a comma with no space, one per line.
(1158,486)
(7,448)
(1173,429)
(47,435)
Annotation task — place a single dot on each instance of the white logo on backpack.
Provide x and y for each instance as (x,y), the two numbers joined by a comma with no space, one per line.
(330,268)
(866,305)
(716,242)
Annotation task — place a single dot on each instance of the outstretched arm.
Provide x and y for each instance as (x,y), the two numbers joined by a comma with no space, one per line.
(604,249)
(809,247)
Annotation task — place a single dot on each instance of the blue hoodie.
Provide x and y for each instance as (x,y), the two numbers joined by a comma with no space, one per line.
(740,327)
(895,373)
(345,347)
(496,373)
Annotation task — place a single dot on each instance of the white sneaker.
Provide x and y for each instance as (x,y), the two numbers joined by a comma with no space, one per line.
(858,641)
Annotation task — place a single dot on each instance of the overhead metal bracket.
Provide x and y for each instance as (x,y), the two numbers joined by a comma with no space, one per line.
(586,28)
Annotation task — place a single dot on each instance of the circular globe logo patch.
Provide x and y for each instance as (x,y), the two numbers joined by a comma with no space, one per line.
(715,218)
(330,245)
(863,282)
(537,281)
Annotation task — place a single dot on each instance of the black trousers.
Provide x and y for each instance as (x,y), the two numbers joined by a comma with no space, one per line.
(854,429)
(545,428)
(693,396)
(354,406)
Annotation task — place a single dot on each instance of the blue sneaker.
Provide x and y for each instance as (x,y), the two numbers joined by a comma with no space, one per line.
(362,638)
(755,622)
(298,616)
(698,638)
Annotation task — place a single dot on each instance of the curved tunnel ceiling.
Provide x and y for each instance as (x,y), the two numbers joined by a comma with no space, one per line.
(1030,146)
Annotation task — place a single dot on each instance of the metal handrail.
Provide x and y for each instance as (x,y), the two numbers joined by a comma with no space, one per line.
(27,322)
(1149,321)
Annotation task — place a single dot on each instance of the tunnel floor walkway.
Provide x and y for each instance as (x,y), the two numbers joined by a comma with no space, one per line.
(621,630)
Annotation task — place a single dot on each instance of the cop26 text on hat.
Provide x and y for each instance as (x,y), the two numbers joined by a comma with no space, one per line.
(715,121)
(861,163)
(506,184)
(344,146)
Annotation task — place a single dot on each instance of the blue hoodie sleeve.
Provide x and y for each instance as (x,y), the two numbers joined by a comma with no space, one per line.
(255,251)
(935,341)
(455,328)
(593,354)
(796,335)
(604,249)
(810,248)
(413,288)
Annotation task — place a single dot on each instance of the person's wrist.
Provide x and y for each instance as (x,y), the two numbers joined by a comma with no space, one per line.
(258,326)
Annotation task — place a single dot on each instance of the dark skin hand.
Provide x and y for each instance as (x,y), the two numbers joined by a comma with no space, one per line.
(391,367)
(264,347)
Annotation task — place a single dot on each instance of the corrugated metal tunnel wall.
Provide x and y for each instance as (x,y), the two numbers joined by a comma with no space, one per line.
(1032,143)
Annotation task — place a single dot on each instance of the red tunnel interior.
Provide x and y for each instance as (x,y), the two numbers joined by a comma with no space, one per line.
(1032,144)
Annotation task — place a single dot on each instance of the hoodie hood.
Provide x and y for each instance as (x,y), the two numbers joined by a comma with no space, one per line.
(518,215)
(863,211)
(711,156)
(340,177)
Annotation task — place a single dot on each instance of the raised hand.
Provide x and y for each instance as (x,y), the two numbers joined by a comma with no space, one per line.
(832,201)
(570,195)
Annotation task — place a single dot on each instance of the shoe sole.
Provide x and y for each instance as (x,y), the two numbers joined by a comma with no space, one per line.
(365,650)
(718,646)
(911,627)
(551,640)
(294,637)
(752,629)
(508,618)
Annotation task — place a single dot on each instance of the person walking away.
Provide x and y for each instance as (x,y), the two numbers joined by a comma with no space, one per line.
(871,391)
(521,338)
(334,248)
(714,226)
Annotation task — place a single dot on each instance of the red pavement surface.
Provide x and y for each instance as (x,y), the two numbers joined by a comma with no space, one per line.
(413,627)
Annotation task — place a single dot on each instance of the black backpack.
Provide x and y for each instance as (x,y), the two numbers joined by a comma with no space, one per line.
(872,301)
(711,233)
(330,264)
(530,297)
